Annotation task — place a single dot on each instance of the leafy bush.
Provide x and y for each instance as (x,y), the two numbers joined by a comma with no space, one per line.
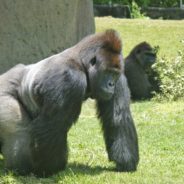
(171,77)
(136,11)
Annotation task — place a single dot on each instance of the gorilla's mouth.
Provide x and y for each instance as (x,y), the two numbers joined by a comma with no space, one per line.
(102,94)
(105,94)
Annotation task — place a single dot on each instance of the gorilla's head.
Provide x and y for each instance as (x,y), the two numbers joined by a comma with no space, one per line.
(145,55)
(105,68)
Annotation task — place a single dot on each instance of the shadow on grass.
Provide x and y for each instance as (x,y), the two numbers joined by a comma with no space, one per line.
(74,170)
(86,169)
(71,169)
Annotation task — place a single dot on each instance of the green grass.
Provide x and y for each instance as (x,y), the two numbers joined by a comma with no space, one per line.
(166,34)
(161,134)
(160,126)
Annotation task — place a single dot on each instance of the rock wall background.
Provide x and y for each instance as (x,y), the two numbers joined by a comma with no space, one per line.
(35,29)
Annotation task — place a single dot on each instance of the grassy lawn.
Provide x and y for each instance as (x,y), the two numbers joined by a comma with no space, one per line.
(160,126)
(167,34)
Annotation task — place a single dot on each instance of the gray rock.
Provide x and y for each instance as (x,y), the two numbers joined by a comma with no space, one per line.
(31,30)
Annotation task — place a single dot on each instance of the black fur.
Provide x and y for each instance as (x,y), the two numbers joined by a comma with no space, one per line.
(40,102)
(119,130)
(140,75)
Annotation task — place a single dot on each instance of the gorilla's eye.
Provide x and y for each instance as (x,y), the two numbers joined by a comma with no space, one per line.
(93,61)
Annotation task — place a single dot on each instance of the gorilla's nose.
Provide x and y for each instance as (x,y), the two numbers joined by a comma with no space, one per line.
(111,84)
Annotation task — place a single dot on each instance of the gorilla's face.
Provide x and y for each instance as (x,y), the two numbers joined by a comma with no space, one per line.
(103,76)
(146,57)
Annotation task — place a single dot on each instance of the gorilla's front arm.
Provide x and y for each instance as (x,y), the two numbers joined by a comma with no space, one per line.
(36,112)
(59,110)
(119,130)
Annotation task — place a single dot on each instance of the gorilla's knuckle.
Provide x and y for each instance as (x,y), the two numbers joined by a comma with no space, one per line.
(128,166)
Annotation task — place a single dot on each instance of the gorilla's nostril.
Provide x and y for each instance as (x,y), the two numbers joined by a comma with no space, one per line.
(111,84)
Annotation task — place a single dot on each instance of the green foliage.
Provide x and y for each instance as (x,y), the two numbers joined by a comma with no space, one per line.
(125,2)
(158,3)
(136,5)
(141,3)
(171,76)
(136,11)
(163,3)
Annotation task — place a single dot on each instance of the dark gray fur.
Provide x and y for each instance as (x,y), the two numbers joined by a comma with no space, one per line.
(119,130)
(40,102)
(139,73)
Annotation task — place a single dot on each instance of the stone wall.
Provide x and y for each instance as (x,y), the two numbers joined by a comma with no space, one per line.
(120,11)
(123,11)
(31,30)
(165,13)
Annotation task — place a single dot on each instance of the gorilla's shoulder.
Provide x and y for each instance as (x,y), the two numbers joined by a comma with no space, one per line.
(15,72)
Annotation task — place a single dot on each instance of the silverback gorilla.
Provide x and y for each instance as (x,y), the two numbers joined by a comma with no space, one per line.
(41,101)
(138,71)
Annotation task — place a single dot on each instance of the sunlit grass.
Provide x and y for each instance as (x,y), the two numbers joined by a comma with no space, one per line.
(161,133)
(166,34)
